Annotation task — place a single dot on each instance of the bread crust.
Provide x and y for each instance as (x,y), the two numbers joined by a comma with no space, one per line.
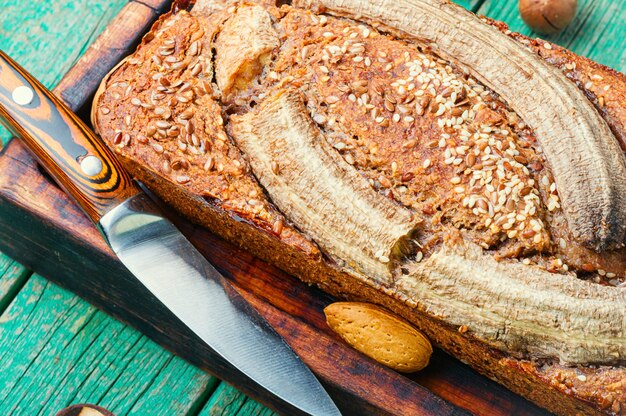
(560,389)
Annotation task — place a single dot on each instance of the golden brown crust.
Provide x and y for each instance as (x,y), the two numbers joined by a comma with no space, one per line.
(220,200)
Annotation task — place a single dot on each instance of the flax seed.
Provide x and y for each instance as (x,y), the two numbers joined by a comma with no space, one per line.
(196,69)
(407,176)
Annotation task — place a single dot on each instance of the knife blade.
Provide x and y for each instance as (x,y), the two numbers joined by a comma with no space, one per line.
(151,247)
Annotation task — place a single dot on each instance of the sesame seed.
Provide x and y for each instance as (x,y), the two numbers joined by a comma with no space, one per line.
(319,118)
(183,179)
(209,164)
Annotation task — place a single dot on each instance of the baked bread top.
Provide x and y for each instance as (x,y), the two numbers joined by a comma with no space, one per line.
(463,169)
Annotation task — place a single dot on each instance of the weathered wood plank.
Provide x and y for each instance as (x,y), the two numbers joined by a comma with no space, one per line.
(12,277)
(253,408)
(48,37)
(226,400)
(58,350)
(597,32)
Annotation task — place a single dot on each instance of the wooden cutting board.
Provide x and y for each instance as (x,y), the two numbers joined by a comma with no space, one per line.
(42,228)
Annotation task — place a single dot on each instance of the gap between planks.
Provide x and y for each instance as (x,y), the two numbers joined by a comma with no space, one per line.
(59,350)
(13,277)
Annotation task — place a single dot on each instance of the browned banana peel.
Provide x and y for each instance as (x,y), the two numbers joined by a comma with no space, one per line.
(585,158)
(520,308)
(319,191)
(380,335)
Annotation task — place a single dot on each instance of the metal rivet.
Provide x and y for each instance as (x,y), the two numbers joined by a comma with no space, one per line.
(91,165)
(23,95)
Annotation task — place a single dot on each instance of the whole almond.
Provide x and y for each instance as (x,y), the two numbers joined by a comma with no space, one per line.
(380,335)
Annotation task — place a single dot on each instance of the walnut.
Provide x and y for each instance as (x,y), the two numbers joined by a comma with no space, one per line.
(547,16)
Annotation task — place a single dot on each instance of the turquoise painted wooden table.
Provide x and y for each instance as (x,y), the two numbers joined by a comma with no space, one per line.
(57,349)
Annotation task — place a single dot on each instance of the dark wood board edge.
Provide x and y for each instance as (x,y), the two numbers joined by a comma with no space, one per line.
(31,228)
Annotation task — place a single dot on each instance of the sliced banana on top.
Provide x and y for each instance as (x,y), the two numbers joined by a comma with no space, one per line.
(520,308)
(320,192)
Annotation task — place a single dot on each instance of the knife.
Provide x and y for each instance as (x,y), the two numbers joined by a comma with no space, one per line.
(151,247)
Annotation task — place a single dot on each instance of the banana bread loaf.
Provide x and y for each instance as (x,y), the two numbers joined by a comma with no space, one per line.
(404,153)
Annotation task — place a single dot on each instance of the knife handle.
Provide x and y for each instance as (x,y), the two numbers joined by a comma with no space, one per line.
(73,155)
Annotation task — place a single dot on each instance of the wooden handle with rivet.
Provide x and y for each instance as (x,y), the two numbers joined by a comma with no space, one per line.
(73,155)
